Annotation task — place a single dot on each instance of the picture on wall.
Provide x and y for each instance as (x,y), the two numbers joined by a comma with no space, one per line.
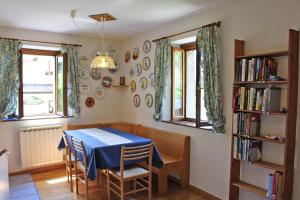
(146,63)
(132,86)
(151,79)
(147,46)
(138,69)
(149,100)
(83,61)
(127,57)
(135,53)
(136,100)
(144,83)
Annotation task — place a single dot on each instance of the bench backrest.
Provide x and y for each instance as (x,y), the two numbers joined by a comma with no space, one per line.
(125,127)
(82,126)
(173,144)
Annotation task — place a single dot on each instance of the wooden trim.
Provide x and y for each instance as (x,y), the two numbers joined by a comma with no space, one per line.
(21,108)
(39,169)
(39,52)
(172,82)
(189,46)
(198,89)
(65,84)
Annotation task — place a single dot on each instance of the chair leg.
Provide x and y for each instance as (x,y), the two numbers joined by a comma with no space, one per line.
(71,176)
(76,179)
(122,190)
(108,186)
(150,187)
(86,187)
(162,183)
(134,186)
(67,171)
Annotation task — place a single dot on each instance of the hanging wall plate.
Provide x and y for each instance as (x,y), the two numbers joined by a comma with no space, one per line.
(84,87)
(138,69)
(90,102)
(135,53)
(131,72)
(132,86)
(115,69)
(146,63)
(84,73)
(83,61)
(96,74)
(106,82)
(127,57)
(144,83)
(151,79)
(147,46)
(99,92)
(136,100)
(149,100)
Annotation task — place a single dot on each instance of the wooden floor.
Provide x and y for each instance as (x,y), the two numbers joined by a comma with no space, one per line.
(53,185)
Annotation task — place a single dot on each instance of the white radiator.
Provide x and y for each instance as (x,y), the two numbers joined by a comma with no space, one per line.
(39,146)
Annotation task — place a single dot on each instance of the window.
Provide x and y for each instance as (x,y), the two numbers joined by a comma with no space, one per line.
(43,82)
(184,107)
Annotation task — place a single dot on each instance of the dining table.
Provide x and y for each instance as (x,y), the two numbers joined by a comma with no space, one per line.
(103,147)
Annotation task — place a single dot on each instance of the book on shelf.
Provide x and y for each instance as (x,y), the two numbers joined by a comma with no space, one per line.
(274,185)
(256,69)
(246,124)
(257,99)
(247,149)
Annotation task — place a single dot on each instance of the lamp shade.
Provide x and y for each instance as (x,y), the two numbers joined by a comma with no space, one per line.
(103,61)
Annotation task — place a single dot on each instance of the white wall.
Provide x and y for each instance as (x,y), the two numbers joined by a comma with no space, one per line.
(105,110)
(264,26)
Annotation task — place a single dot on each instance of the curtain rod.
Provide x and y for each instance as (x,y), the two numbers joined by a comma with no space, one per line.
(218,24)
(36,41)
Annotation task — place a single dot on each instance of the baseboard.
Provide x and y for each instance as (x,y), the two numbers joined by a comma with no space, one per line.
(38,169)
(195,189)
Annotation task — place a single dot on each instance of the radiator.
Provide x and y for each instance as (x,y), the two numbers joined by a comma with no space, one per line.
(39,146)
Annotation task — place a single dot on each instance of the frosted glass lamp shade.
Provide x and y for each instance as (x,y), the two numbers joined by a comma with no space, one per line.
(103,61)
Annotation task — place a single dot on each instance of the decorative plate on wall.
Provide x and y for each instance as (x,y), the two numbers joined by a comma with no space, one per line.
(131,72)
(135,53)
(99,92)
(149,100)
(146,63)
(136,100)
(144,82)
(106,82)
(84,87)
(151,79)
(96,74)
(147,46)
(127,57)
(90,102)
(132,86)
(83,61)
(84,73)
(138,69)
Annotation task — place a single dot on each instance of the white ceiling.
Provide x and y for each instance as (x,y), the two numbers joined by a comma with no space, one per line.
(134,16)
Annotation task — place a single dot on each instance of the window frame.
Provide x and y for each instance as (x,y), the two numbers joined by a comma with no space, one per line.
(198,123)
(39,52)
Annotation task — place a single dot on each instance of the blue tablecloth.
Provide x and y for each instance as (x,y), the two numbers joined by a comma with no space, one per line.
(103,147)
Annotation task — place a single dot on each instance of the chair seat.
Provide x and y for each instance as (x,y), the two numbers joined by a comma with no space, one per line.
(132,172)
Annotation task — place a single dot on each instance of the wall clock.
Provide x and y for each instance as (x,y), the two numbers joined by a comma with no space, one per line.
(149,100)
(135,53)
(90,102)
(147,46)
(136,100)
(146,63)
(144,83)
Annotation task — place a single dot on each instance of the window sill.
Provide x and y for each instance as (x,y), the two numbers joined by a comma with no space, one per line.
(188,124)
(36,118)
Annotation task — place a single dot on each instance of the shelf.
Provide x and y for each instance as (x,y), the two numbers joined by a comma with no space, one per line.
(251,188)
(120,86)
(264,164)
(268,54)
(260,82)
(260,112)
(261,138)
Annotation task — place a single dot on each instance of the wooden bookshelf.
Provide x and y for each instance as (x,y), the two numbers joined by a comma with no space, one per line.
(287,168)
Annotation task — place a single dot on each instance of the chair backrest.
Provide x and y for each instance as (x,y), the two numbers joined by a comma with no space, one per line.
(138,154)
(67,144)
(79,148)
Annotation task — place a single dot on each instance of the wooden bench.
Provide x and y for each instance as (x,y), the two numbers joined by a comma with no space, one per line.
(174,149)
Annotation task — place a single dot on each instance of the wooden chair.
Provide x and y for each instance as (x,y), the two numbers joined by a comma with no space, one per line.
(80,165)
(141,177)
(69,162)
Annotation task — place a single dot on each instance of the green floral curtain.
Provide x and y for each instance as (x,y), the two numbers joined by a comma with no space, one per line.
(209,46)
(9,76)
(161,68)
(73,78)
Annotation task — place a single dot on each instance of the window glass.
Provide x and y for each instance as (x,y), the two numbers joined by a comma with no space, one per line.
(178,84)
(59,83)
(38,85)
(191,84)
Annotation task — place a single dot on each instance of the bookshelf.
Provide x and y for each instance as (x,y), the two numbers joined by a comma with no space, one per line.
(290,115)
